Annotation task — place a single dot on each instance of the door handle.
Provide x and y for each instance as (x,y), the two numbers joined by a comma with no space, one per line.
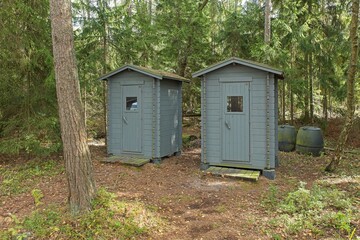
(125,120)
(227,124)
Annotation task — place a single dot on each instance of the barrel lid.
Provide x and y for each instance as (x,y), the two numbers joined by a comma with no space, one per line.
(286,126)
(310,128)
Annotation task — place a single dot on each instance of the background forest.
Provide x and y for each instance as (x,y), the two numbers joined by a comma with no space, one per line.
(309,41)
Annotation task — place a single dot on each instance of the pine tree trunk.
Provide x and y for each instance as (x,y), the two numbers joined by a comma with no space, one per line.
(78,165)
(292,63)
(283,101)
(267,31)
(350,100)
(325,105)
(311,89)
(306,95)
(311,80)
(291,106)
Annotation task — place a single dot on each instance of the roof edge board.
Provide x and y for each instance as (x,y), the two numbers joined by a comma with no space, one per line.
(238,61)
(171,78)
(106,76)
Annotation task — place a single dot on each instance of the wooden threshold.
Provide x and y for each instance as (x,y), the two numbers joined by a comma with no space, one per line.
(132,160)
(246,174)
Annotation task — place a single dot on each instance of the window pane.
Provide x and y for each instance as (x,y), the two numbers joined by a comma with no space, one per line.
(131,103)
(235,104)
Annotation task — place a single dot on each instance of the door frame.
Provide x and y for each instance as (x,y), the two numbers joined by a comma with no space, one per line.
(221,111)
(141,112)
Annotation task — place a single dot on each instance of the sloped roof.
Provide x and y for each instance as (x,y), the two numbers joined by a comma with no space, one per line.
(240,61)
(147,71)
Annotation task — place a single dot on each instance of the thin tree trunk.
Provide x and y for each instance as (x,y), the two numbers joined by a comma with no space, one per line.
(350,103)
(105,87)
(78,165)
(311,87)
(267,29)
(150,12)
(203,4)
(325,101)
(291,106)
(283,102)
(311,80)
(329,104)
(103,4)
(306,95)
(290,86)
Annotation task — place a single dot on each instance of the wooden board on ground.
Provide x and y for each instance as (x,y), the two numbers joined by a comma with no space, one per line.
(245,174)
(128,160)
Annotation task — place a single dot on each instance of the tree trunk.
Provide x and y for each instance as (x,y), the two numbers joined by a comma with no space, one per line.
(311,88)
(283,102)
(78,165)
(105,45)
(306,95)
(267,30)
(292,63)
(325,105)
(291,106)
(350,99)
(102,4)
(311,80)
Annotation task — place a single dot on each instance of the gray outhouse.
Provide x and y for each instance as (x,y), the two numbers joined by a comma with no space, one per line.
(239,115)
(144,112)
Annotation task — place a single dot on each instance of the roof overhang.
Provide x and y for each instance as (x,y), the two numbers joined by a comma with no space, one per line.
(146,71)
(233,60)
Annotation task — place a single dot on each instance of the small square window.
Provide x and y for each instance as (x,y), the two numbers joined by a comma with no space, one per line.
(131,104)
(235,104)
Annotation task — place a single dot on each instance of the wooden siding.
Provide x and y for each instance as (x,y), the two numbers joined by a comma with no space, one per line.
(115,109)
(257,114)
(160,114)
(170,117)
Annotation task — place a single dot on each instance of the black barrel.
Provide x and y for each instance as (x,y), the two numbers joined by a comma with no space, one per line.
(310,140)
(286,138)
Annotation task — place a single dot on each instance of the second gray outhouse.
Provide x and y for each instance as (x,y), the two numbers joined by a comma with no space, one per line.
(144,112)
(239,115)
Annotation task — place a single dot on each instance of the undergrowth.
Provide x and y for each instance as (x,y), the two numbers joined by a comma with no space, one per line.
(316,211)
(109,219)
(21,178)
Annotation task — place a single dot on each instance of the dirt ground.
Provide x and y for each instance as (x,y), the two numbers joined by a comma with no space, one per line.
(194,205)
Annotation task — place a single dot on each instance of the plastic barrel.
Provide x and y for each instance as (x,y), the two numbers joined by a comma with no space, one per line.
(310,140)
(286,138)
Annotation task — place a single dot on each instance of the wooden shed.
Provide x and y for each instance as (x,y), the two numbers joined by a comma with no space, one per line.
(144,112)
(239,115)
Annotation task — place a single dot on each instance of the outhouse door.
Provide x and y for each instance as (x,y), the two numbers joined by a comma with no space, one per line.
(235,124)
(131,119)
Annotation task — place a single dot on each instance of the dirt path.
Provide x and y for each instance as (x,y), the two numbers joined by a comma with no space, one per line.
(195,206)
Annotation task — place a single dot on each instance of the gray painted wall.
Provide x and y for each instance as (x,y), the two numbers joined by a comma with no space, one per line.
(212,114)
(161,119)
(170,117)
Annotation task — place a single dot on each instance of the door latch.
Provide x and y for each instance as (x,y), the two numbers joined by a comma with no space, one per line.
(125,120)
(227,124)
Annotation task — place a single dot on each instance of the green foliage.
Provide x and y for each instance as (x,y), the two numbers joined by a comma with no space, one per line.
(270,201)
(316,210)
(309,41)
(28,109)
(37,195)
(21,178)
(43,223)
(109,219)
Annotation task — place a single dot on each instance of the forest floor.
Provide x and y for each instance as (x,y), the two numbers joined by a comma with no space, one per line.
(195,205)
